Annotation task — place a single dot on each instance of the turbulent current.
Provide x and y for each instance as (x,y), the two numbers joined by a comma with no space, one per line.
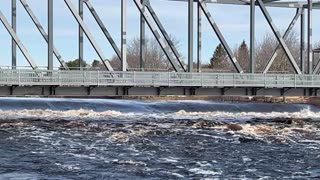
(127,139)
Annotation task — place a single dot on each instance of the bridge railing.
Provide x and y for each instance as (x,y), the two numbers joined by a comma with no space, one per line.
(22,77)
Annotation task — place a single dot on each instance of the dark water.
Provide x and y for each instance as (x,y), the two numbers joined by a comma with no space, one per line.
(116,139)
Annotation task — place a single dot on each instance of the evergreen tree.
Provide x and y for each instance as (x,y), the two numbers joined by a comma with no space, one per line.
(74,65)
(243,56)
(219,58)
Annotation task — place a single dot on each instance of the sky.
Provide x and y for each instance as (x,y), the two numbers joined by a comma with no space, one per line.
(233,21)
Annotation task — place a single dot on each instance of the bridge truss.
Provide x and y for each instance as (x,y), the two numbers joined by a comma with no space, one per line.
(148,17)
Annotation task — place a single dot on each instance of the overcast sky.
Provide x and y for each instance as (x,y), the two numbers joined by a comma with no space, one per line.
(233,21)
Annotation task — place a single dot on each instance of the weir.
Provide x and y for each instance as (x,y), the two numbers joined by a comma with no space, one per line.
(181,78)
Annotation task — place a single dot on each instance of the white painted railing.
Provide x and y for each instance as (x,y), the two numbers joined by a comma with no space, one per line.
(154,79)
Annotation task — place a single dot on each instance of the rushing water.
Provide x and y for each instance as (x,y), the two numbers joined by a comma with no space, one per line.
(120,139)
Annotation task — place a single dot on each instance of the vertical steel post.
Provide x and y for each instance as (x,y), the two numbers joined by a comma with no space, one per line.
(310,58)
(190,35)
(80,36)
(142,37)
(14,27)
(302,42)
(123,35)
(199,38)
(252,35)
(50,34)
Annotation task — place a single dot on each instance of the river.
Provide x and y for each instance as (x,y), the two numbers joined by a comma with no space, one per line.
(129,139)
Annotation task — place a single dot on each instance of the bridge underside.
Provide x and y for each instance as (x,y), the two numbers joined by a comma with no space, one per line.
(54,91)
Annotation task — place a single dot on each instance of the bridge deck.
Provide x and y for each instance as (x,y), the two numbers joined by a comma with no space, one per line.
(61,78)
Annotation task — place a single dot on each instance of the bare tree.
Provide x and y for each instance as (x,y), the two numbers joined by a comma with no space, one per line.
(266,47)
(155,59)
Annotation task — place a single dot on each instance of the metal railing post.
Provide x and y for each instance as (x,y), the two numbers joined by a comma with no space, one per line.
(134,78)
(265,80)
(83,77)
(201,79)
(19,77)
(59,78)
(169,79)
(233,77)
(295,80)
(98,78)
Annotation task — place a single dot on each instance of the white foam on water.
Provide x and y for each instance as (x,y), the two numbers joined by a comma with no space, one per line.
(170,160)
(303,114)
(69,167)
(94,115)
(204,172)
(177,175)
(20,176)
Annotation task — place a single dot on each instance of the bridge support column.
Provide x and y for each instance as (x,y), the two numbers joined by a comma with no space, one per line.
(252,35)
(302,42)
(310,50)
(190,36)
(142,37)
(123,35)
(50,34)
(52,90)
(199,29)
(14,27)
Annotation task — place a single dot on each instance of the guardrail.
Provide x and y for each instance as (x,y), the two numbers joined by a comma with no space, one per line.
(22,77)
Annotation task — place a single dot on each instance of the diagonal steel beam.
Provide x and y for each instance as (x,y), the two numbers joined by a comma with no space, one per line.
(17,41)
(42,31)
(164,32)
(278,36)
(220,36)
(156,34)
(317,68)
(88,34)
(286,34)
(103,28)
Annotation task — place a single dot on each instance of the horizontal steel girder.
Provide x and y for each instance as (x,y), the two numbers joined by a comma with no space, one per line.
(270,3)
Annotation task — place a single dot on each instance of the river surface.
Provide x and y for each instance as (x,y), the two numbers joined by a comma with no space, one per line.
(127,139)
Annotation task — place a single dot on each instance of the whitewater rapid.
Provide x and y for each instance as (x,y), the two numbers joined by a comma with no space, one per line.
(128,139)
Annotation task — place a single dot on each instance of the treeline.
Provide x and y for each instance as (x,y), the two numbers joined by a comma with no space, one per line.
(156,60)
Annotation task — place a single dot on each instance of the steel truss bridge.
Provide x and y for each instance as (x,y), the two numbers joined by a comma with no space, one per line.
(183,80)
